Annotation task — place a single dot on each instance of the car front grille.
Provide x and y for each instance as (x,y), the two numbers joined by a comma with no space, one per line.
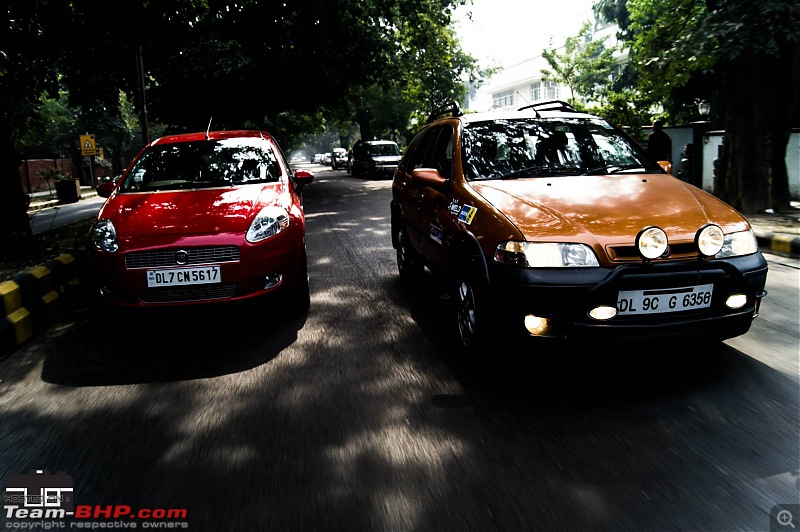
(682,251)
(186,294)
(167,257)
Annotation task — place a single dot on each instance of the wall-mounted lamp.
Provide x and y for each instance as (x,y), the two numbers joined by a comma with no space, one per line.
(704,108)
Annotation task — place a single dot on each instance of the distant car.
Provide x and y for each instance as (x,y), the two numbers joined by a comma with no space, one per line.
(318,158)
(374,158)
(327,158)
(339,159)
(202,218)
(553,225)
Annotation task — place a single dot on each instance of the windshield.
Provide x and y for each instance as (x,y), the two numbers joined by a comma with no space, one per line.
(384,149)
(208,163)
(563,146)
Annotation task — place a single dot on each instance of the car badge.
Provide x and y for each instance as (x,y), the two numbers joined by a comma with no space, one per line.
(181,256)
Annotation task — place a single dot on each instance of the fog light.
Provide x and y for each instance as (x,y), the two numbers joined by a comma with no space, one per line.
(538,326)
(736,301)
(603,312)
(651,242)
(272,279)
(709,240)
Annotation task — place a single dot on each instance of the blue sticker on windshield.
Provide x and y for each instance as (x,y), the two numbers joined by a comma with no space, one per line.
(467,214)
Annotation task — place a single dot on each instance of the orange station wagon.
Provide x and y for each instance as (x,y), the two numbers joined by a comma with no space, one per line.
(551,223)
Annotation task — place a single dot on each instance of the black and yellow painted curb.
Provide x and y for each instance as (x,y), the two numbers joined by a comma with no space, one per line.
(38,297)
(781,244)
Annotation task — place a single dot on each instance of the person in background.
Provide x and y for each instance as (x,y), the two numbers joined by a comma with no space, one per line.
(659,145)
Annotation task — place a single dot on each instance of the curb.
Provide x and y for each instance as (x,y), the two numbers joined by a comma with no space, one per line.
(780,244)
(38,298)
(36,206)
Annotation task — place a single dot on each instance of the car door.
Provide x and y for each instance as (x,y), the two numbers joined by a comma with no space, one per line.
(434,218)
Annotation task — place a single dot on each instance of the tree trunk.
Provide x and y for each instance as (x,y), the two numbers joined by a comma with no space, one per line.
(757,128)
(788,114)
(16,237)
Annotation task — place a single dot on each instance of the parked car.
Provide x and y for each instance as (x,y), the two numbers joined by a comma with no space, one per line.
(549,223)
(374,158)
(318,157)
(339,159)
(202,218)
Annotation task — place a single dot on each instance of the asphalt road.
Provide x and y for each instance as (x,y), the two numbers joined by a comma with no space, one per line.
(53,217)
(361,415)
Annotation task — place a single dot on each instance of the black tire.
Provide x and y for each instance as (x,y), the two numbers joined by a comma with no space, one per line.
(471,312)
(409,261)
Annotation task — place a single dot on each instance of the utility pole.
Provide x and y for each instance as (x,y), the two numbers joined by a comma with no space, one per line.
(142,99)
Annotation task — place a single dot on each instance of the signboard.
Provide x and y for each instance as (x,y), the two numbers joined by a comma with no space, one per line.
(88,146)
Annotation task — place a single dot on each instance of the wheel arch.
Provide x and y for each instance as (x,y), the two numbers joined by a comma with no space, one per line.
(466,256)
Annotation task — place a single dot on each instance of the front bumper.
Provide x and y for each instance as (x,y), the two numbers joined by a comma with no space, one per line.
(566,296)
(268,267)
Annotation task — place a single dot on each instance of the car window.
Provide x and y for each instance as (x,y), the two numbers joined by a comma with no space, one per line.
(435,150)
(203,164)
(531,147)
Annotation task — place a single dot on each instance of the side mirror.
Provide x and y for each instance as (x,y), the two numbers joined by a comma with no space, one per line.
(104,190)
(301,179)
(666,165)
(429,177)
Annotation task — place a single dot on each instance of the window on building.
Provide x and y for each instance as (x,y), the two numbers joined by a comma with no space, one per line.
(544,90)
(536,91)
(551,90)
(503,99)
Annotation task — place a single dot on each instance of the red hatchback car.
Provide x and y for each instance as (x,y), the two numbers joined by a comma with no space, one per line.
(200,218)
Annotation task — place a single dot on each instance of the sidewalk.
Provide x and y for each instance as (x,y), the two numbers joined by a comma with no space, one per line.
(778,233)
(43,200)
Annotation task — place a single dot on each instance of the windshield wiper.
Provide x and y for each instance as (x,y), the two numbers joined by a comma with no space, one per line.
(613,169)
(538,171)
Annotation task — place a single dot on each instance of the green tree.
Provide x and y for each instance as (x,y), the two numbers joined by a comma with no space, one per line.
(749,53)
(253,63)
(584,65)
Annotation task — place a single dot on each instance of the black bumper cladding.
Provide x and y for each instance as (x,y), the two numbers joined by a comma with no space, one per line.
(566,296)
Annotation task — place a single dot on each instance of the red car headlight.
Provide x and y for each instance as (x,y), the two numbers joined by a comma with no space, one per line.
(104,236)
(269,222)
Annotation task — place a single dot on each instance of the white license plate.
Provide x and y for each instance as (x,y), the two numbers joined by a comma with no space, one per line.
(632,302)
(183,276)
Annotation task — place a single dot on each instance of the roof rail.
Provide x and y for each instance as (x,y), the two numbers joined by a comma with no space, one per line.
(450,109)
(550,105)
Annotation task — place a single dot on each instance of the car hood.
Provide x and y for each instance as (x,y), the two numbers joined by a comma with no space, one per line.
(609,208)
(386,158)
(184,212)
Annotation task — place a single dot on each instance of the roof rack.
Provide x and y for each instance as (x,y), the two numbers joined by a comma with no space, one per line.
(450,109)
(550,105)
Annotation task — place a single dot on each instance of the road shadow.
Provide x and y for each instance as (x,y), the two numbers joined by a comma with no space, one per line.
(542,374)
(165,345)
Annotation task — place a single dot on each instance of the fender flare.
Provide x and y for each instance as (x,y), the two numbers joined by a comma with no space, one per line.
(466,256)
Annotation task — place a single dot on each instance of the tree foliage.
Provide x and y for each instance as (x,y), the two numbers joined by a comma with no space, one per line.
(284,66)
(741,55)
(585,65)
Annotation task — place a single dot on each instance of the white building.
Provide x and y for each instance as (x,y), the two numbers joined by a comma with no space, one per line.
(521,84)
